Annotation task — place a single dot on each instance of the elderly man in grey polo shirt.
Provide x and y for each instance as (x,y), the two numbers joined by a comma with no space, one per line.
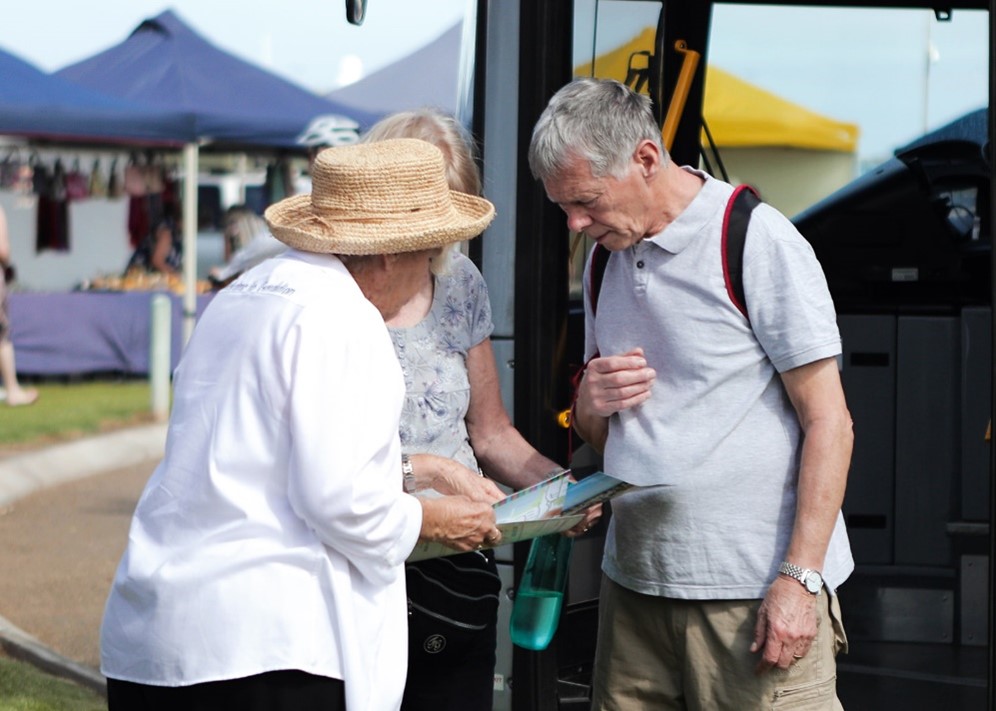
(720,568)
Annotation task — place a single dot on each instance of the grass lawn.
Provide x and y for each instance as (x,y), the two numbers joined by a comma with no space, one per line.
(25,688)
(68,411)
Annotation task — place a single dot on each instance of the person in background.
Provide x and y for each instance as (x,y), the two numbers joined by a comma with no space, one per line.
(264,565)
(162,249)
(453,409)
(14,393)
(721,566)
(247,243)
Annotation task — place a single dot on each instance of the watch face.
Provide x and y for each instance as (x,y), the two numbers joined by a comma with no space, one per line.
(814,582)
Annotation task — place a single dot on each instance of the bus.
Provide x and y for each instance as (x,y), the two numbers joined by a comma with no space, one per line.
(904,235)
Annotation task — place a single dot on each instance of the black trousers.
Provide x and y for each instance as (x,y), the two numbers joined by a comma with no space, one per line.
(289,690)
(459,678)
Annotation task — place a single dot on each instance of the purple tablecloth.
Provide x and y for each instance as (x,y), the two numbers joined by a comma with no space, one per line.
(88,332)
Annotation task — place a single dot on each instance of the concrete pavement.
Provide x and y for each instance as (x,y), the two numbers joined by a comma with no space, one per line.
(23,474)
(64,512)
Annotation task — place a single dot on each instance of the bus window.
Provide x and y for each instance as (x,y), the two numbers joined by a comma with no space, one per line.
(891,74)
(609,43)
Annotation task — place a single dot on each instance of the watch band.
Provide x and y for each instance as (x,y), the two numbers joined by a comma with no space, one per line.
(793,571)
(803,575)
(408,474)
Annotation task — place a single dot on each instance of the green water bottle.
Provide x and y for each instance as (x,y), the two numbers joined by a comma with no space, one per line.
(536,610)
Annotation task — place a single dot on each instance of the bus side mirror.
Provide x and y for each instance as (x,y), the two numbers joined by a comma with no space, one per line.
(355,11)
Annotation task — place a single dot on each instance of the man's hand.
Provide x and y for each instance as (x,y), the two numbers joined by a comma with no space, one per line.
(609,385)
(591,516)
(615,383)
(787,623)
(459,522)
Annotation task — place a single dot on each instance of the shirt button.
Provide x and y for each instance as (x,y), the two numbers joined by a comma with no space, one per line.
(639,265)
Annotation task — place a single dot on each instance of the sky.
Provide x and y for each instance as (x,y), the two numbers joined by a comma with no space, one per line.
(307,41)
(896,74)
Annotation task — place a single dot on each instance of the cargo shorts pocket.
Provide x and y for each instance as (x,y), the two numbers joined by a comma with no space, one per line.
(816,696)
(839,635)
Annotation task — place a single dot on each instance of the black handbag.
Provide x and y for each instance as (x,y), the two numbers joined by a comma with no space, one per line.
(452,603)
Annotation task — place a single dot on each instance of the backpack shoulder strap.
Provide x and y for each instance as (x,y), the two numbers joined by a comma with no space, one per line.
(735,221)
(599,258)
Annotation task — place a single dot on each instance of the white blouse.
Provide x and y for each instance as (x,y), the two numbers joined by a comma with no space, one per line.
(273,534)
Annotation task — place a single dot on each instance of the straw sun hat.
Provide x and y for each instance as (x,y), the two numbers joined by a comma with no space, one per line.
(384,197)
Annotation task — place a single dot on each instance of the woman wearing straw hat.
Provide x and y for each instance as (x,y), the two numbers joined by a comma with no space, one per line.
(264,566)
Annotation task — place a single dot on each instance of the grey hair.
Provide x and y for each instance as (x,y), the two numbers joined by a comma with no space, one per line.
(599,120)
(440,264)
(241,225)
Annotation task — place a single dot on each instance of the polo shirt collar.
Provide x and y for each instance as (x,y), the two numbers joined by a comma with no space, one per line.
(693,220)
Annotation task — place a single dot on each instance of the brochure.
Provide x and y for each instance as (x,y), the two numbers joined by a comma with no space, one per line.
(591,490)
(553,505)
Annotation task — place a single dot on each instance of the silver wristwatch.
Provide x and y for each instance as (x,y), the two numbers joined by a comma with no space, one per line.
(810,579)
(408,474)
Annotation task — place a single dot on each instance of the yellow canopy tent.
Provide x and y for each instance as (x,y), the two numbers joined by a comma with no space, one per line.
(791,155)
(738,113)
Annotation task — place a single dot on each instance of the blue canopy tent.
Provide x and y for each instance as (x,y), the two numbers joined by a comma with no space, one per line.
(37,105)
(166,65)
(426,77)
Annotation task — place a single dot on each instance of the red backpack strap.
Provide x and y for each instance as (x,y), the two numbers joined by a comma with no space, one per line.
(735,221)
(575,384)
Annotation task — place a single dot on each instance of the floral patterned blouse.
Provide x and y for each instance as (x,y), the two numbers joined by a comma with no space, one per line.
(433,356)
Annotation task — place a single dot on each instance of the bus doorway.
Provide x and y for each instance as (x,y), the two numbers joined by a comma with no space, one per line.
(918,501)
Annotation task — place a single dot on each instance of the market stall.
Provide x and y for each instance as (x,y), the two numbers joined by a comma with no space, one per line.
(186,94)
(87,333)
(233,103)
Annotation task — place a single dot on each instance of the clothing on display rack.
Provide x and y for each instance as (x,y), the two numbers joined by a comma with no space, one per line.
(52,231)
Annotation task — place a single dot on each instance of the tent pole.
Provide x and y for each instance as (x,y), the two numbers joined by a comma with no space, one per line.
(242,168)
(191,153)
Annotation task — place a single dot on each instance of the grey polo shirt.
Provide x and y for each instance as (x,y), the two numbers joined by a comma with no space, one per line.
(717,446)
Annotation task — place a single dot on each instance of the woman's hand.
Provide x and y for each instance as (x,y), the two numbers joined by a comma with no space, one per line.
(459,522)
(451,478)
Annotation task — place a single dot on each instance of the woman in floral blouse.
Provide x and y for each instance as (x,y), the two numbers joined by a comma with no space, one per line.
(453,412)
